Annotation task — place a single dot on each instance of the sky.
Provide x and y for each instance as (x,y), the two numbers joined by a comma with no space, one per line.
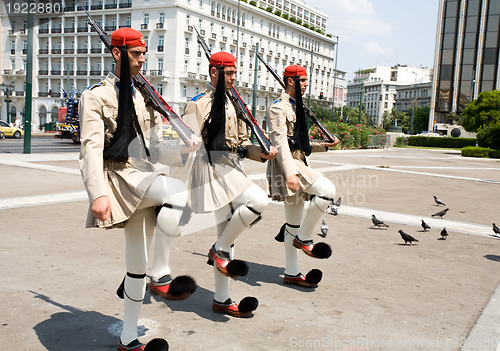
(381,32)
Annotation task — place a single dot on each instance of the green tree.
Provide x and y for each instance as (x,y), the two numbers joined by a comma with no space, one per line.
(399,118)
(322,113)
(421,119)
(482,112)
(352,115)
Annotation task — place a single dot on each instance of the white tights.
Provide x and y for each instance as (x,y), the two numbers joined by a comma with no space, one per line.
(302,221)
(229,230)
(139,231)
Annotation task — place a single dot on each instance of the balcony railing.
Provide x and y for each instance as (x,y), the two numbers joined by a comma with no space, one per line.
(43,94)
(69,8)
(186,51)
(8,71)
(154,72)
(68,72)
(55,72)
(81,73)
(43,72)
(202,31)
(191,75)
(95,50)
(125,5)
(160,48)
(96,7)
(19,93)
(203,76)
(110,6)
(69,30)
(43,31)
(69,51)
(82,29)
(12,51)
(109,28)
(25,51)
(82,51)
(55,30)
(159,25)
(224,39)
(144,26)
(95,72)
(55,51)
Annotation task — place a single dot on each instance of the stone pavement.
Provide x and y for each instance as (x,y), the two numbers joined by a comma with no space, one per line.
(59,279)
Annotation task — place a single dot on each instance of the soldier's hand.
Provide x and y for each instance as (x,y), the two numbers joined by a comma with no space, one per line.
(273,152)
(194,145)
(292,181)
(330,144)
(101,208)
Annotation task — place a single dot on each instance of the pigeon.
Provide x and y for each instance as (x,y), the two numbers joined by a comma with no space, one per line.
(440,214)
(324,229)
(425,226)
(438,202)
(444,233)
(338,202)
(378,223)
(407,237)
(331,209)
(496,229)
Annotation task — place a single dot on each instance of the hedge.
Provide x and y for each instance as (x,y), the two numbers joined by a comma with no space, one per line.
(417,140)
(476,151)
(489,137)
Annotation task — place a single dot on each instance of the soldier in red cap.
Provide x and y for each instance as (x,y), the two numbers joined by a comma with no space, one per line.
(121,144)
(292,181)
(219,184)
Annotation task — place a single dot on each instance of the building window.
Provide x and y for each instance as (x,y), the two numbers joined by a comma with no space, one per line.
(162,17)
(201,3)
(184,91)
(186,65)
(160,64)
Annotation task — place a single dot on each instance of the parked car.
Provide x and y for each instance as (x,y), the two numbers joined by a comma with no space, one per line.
(169,132)
(9,131)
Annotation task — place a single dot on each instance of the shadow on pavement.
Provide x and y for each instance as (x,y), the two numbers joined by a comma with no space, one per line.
(75,329)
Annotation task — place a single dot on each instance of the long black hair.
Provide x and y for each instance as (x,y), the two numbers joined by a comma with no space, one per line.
(300,133)
(216,123)
(125,132)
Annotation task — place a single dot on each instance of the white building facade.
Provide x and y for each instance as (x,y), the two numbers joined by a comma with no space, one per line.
(377,87)
(68,54)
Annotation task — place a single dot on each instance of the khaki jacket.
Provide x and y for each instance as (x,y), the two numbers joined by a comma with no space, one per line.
(281,119)
(214,185)
(123,182)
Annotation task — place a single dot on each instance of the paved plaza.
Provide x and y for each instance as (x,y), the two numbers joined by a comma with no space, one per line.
(59,279)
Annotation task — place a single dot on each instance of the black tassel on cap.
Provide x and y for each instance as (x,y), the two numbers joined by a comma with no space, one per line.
(216,123)
(125,132)
(300,134)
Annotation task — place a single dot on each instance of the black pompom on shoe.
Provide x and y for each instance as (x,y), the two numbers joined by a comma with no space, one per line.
(248,304)
(181,285)
(237,268)
(157,344)
(314,276)
(280,237)
(322,250)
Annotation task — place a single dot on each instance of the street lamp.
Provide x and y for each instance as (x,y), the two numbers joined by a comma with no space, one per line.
(7,91)
(336,46)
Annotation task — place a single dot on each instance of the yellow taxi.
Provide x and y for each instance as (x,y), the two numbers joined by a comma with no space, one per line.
(7,130)
(169,132)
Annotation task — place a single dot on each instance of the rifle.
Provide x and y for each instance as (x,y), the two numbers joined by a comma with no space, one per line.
(240,106)
(150,94)
(308,112)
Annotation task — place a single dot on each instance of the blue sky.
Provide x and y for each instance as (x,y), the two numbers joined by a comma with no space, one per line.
(381,32)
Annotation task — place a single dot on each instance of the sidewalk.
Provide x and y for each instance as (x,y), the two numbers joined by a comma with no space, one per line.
(59,279)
